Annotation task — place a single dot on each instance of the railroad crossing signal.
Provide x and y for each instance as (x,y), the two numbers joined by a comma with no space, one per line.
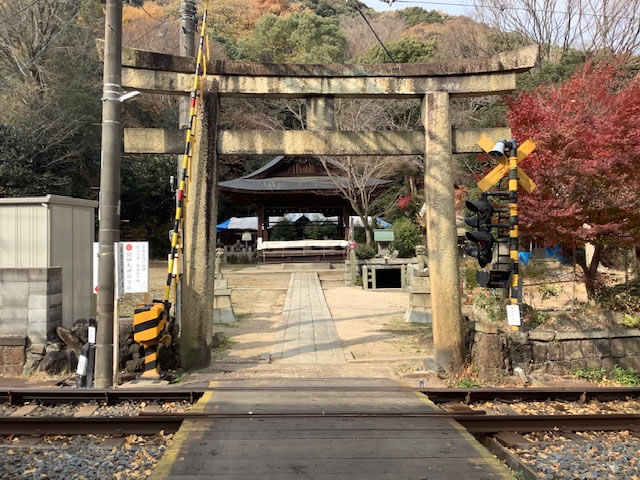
(495,175)
(482,211)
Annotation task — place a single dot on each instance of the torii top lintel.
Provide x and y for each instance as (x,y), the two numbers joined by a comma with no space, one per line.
(172,74)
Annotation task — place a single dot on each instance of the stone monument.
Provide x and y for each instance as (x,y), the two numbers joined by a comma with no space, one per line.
(419,290)
(222,306)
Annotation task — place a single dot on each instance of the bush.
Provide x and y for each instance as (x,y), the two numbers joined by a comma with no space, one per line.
(320,231)
(232,258)
(359,235)
(621,298)
(364,252)
(284,230)
(244,258)
(406,237)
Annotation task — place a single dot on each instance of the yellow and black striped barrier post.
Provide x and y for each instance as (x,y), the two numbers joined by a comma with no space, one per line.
(186,159)
(514,246)
(149,323)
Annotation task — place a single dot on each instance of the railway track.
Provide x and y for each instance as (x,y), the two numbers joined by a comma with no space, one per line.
(149,424)
(436,395)
(511,437)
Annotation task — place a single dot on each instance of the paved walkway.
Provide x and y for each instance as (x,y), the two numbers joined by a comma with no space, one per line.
(307,332)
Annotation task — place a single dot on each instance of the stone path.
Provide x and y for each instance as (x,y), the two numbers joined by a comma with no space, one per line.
(307,333)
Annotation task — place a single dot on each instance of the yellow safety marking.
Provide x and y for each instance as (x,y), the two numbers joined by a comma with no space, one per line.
(513,233)
(514,255)
(525,149)
(485,143)
(513,184)
(493,177)
(526,182)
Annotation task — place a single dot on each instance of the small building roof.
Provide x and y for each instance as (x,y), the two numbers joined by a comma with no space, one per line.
(50,199)
(291,174)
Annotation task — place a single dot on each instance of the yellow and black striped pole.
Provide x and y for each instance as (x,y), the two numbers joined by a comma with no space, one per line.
(186,159)
(149,321)
(514,246)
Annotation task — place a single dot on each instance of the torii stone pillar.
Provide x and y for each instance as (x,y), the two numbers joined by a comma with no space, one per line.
(441,239)
(200,238)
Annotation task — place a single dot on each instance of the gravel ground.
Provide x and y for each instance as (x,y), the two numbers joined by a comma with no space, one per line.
(84,457)
(602,455)
(6,409)
(60,410)
(134,408)
(559,407)
(116,410)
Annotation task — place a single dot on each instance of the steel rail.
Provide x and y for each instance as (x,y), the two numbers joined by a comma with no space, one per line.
(471,395)
(110,395)
(437,395)
(148,424)
(88,425)
(487,424)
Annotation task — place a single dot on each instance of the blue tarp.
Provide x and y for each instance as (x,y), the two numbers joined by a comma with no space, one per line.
(221,227)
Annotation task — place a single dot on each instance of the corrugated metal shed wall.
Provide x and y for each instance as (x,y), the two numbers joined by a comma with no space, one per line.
(24,239)
(76,226)
(52,231)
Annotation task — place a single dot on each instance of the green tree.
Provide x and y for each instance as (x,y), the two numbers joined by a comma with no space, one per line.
(403,51)
(406,236)
(298,38)
(414,15)
(147,201)
(327,8)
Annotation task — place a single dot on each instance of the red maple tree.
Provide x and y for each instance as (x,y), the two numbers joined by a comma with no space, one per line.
(587,161)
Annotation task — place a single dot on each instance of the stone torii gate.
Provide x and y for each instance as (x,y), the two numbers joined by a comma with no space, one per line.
(434,84)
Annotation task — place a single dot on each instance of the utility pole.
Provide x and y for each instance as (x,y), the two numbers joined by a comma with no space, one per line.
(188,25)
(109,209)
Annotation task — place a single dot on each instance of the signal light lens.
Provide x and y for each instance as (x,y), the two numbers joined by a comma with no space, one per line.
(493,278)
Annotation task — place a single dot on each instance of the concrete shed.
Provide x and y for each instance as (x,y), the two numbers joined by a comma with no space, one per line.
(47,232)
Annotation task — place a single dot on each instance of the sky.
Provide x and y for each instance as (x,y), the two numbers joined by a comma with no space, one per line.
(383,6)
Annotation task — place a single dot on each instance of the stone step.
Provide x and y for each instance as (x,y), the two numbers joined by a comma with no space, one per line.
(332,283)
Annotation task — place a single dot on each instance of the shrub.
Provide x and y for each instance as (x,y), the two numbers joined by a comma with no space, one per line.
(232,258)
(320,231)
(364,252)
(621,298)
(406,237)
(284,230)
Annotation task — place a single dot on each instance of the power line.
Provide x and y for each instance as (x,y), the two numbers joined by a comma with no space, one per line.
(44,48)
(162,22)
(10,17)
(375,34)
(506,7)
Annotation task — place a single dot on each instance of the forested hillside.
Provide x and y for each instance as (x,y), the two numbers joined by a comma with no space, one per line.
(50,86)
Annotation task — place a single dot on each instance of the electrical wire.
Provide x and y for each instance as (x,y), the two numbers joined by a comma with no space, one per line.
(11,17)
(162,22)
(375,34)
(506,7)
(44,48)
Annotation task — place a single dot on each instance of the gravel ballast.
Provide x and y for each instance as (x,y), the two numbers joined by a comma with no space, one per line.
(597,456)
(83,457)
(556,407)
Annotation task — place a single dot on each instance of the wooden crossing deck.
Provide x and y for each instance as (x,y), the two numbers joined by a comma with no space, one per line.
(307,332)
(323,447)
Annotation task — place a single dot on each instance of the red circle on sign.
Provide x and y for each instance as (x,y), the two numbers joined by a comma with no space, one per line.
(129,247)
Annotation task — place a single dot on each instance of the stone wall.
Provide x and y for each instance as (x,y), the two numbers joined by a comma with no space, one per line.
(495,351)
(30,303)
(12,355)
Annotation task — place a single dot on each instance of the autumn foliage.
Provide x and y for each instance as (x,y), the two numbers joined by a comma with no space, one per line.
(587,161)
